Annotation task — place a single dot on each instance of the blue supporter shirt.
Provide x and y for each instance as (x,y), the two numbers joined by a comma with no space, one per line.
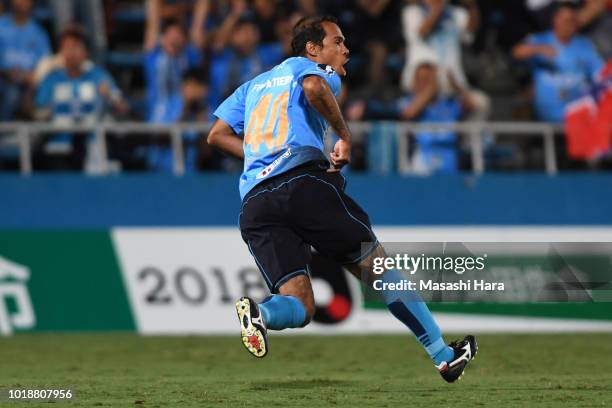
(21,47)
(437,150)
(163,77)
(563,78)
(441,110)
(228,69)
(75,99)
(281,129)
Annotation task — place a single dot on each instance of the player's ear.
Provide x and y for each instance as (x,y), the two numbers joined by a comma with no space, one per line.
(312,49)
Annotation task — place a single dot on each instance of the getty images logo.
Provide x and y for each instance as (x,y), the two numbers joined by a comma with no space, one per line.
(16,310)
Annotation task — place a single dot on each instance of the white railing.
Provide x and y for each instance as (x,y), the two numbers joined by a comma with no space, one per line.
(25,133)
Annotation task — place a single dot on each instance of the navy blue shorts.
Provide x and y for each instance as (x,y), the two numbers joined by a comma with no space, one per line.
(283,217)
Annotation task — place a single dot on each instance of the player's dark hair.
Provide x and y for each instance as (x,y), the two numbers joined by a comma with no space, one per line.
(309,29)
(75,32)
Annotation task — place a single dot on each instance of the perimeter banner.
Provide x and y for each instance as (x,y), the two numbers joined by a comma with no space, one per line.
(186,280)
(61,281)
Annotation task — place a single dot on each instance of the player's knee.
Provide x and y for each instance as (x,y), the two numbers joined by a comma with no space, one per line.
(363,270)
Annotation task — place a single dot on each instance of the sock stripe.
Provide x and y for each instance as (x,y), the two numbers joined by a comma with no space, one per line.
(408,307)
(425,341)
(400,311)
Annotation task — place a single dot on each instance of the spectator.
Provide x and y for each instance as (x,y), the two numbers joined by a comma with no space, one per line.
(435,151)
(76,92)
(243,59)
(194,89)
(22,44)
(168,57)
(54,61)
(374,33)
(562,62)
(159,157)
(434,31)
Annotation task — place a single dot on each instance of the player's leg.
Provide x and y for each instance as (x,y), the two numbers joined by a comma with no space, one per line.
(282,258)
(292,307)
(408,307)
(336,226)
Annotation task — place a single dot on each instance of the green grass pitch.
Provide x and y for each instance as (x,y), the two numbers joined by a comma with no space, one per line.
(123,370)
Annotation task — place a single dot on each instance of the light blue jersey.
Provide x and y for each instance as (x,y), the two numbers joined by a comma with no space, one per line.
(281,129)
(21,46)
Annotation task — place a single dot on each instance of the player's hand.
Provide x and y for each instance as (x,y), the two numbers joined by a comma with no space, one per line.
(340,156)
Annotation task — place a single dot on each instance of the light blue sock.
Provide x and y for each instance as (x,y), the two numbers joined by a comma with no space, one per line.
(282,312)
(408,307)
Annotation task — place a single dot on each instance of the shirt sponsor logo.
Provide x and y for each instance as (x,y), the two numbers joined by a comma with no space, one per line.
(276,81)
(327,68)
(266,172)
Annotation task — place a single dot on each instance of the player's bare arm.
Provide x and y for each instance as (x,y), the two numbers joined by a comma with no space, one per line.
(223,137)
(291,202)
(321,98)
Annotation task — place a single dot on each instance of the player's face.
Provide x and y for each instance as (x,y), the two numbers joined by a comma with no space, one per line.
(334,51)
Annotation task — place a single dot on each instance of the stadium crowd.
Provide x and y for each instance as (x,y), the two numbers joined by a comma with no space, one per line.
(415,60)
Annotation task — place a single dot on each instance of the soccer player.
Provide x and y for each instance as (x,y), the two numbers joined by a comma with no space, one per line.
(293,197)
